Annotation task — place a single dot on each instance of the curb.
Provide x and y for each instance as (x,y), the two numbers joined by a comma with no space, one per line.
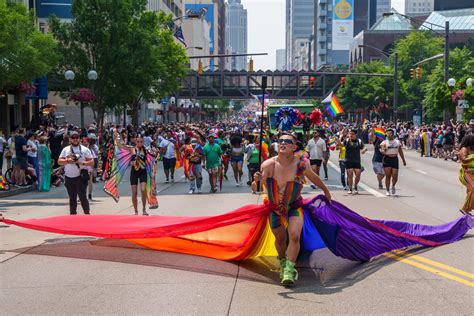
(15,191)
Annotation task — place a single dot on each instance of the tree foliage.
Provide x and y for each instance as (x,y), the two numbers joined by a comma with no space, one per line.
(25,52)
(364,92)
(132,50)
(438,94)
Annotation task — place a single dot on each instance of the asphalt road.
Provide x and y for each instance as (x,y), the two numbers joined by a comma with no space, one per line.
(44,273)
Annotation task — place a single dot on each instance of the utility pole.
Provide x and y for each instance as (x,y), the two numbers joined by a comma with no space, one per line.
(395,80)
(264,87)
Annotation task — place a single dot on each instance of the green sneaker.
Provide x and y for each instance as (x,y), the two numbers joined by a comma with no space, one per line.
(282,266)
(290,275)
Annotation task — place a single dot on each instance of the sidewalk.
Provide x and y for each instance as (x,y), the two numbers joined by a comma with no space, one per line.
(15,191)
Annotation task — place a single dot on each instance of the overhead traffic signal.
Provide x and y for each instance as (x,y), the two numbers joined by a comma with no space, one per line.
(418,72)
(412,73)
(311,82)
(251,65)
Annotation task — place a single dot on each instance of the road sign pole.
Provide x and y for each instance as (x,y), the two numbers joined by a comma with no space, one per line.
(264,87)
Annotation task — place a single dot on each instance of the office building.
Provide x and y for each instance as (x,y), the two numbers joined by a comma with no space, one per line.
(236,33)
(335,24)
(441,5)
(419,7)
(280,59)
(299,27)
(213,11)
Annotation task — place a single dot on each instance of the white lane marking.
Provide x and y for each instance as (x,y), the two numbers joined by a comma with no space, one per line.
(362,185)
(421,171)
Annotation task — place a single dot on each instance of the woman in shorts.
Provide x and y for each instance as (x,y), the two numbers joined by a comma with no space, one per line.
(237,158)
(391,148)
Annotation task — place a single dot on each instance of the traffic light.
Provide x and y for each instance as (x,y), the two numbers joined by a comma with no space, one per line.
(343,81)
(418,72)
(412,73)
(200,67)
(311,82)
(251,64)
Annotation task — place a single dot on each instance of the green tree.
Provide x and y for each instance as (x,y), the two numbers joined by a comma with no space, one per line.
(438,94)
(25,52)
(131,49)
(364,92)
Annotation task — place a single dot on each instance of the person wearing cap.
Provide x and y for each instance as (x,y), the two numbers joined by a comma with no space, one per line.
(212,160)
(76,158)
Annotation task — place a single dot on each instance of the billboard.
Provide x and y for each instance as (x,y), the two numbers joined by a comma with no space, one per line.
(207,12)
(342,24)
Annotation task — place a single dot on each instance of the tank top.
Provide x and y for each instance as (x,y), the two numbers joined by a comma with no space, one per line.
(469,167)
(291,193)
(237,151)
(139,160)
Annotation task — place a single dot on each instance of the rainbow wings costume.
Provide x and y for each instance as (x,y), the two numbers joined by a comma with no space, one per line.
(119,164)
(245,232)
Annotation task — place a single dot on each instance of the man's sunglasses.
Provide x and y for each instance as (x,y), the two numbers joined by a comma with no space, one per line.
(285,141)
(75,137)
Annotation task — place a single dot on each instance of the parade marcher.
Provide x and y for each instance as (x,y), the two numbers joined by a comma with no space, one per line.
(44,165)
(377,160)
(221,141)
(237,158)
(167,149)
(138,173)
(194,154)
(342,157)
(391,148)
(306,124)
(448,145)
(466,173)
(212,156)
(276,175)
(75,159)
(315,148)
(253,151)
(326,155)
(354,147)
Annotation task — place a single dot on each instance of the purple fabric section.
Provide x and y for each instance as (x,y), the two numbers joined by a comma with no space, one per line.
(354,237)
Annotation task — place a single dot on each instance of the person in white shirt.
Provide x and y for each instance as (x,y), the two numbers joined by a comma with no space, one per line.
(316,148)
(391,148)
(76,158)
(32,150)
(2,142)
(167,149)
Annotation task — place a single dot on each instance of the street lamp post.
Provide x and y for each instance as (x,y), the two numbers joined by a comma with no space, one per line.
(446,43)
(69,75)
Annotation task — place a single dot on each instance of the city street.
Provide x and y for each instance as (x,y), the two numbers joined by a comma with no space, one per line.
(43,273)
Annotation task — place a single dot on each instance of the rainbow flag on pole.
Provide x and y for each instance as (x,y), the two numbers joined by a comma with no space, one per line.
(380,133)
(364,124)
(332,105)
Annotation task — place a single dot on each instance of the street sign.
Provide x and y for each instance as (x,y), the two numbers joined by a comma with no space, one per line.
(164,101)
(463,104)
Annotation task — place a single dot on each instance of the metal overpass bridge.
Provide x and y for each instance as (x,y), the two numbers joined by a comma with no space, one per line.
(246,85)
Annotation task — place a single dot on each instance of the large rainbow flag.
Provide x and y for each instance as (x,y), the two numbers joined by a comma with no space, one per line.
(332,105)
(245,232)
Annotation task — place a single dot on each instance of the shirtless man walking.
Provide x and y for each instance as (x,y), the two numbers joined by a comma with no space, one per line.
(281,176)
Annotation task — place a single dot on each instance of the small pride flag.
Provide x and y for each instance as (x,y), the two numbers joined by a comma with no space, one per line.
(333,107)
(364,124)
(380,133)
(332,141)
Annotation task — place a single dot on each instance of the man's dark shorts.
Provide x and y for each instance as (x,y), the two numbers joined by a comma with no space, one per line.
(316,162)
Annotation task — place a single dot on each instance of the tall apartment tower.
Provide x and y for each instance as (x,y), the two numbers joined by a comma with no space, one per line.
(236,33)
(299,26)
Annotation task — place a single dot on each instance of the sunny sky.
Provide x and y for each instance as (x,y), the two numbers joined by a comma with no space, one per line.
(266,29)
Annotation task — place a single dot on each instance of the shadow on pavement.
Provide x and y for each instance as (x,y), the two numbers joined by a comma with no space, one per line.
(320,272)
(32,203)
